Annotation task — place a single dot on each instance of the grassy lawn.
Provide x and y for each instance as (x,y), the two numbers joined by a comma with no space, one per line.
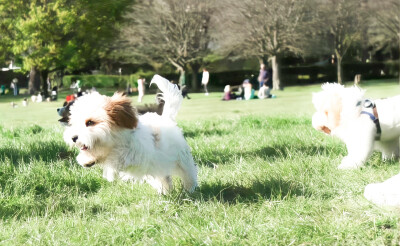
(265,177)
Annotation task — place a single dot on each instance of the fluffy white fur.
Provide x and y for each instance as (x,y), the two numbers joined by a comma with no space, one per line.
(152,148)
(338,114)
(386,193)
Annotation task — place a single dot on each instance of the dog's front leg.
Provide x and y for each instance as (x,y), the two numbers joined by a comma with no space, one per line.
(85,159)
(359,148)
(386,193)
(109,173)
(389,149)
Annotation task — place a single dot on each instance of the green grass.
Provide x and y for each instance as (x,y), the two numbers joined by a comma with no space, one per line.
(266,177)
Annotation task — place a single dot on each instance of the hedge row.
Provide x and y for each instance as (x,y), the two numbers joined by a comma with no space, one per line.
(312,74)
(107,81)
(289,75)
(98,81)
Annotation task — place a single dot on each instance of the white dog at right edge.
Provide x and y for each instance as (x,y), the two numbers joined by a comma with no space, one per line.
(364,126)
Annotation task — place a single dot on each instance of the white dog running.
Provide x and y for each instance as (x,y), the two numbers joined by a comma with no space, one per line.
(150,147)
(364,126)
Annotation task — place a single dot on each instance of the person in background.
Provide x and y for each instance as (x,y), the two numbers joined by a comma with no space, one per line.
(141,88)
(182,77)
(248,90)
(2,90)
(54,93)
(48,83)
(228,95)
(204,80)
(14,86)
(128,88)
(73,86)
(39,97)
(79,85)
(262,76)
(185,92)
(182,84)
(264,92)
(25,102)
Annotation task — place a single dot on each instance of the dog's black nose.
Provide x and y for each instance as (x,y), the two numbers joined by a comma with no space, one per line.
(74,138)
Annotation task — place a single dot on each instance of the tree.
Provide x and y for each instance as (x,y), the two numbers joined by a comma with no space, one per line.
(266,29)
(51,35)
(386,25)
(343,24)
(172,31)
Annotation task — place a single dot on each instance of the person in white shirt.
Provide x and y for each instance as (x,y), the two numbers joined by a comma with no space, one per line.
(264,92)
(205,79)
(141,88)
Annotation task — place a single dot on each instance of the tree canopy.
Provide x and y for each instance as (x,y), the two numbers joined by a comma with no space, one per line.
(67,35)
(171,31)
(58,34)
(266,29)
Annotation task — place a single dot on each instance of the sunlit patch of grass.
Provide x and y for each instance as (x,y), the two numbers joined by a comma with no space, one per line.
(264,178)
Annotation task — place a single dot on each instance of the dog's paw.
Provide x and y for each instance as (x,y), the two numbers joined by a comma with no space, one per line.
(383,194)
(85,160)
(347,164)
(389,157)
(109,173)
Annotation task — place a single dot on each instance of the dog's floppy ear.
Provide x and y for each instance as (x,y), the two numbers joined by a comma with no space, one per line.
(319,122)
(334,110)
(121,112)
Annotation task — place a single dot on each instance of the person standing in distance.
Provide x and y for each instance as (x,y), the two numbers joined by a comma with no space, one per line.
(262,76)
(205,79)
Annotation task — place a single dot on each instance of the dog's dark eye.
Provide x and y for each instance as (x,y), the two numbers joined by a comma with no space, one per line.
(90,123)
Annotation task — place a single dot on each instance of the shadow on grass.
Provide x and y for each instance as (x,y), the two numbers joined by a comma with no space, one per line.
(21,132)
(47,151)
(46,197)
(217,157)
(286,150)
(227,127)
(205,132)
(269,189)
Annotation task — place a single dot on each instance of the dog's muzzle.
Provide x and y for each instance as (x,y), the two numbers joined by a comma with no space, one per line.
(89,164)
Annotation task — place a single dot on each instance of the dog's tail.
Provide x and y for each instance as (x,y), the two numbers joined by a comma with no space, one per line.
(172,96)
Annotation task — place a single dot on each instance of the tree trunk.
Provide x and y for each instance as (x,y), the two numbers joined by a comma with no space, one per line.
(364,34)
(107,66)
(276,82)
(34,81)
(339,70)
(195,68)
(43,77)
(182,77)
(60,79)
(398,35)
(263,60)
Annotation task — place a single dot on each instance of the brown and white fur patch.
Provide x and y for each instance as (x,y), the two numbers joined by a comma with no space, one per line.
(64,113)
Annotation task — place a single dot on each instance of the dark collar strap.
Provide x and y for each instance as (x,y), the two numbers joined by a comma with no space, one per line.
(375,119)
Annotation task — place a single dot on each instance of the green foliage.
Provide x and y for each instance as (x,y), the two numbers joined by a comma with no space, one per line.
(108,81)
(59,33)
(148,75)
(98,81)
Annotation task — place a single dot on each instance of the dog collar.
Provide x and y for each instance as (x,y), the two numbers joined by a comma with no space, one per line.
(373,116)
